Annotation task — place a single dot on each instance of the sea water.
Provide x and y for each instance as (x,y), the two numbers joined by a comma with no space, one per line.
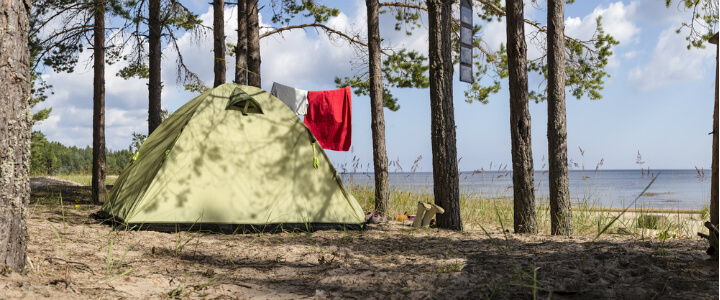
(679,189)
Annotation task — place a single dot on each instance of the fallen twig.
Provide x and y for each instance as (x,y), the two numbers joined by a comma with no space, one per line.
(50,259)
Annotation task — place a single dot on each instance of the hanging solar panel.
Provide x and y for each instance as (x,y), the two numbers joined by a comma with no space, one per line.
(466,37)
(466,55)
(465,13)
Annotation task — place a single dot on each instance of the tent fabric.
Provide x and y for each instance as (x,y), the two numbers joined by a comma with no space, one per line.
(329,118)
(210,163)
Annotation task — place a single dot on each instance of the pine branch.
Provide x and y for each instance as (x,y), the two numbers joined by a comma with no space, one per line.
(537,25)
(182,67)
(36,28)
(327,29)
(403,5)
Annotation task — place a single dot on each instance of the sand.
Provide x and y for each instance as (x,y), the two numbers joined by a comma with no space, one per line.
(386,261)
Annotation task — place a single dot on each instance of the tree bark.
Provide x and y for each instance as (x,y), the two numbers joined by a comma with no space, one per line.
(560,206)
(155,57)
(380,160)
(219,41)
(15,128)
(444,148)
(714,184)
(98,171)
(241,49)
(253,43)
(523,182)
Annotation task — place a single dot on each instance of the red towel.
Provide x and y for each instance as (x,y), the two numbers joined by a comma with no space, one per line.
(329,118)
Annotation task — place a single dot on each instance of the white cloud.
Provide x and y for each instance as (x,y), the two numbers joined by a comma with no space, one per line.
(631,54)
(671,62)
(300,57)
(71,119)
(617,20)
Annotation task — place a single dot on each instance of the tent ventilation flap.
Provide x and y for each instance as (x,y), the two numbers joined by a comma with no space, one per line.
(239,100)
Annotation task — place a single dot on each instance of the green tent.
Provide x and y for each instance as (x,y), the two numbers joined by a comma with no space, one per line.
(233,155)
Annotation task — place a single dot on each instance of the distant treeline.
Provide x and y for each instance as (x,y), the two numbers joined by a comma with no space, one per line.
(50,158)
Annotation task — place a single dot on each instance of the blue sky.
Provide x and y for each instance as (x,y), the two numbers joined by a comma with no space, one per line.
(658,101)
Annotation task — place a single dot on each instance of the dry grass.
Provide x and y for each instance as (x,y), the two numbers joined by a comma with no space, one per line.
(86,179)
(588,219)
(74,256)
(479,209)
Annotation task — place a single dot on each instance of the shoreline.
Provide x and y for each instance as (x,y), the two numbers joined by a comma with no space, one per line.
(637,210)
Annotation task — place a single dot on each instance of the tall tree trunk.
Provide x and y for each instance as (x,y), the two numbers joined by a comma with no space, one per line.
(444,148)
(219,41)
(560,206)
(380,160)
(15,127)
(98,171)
(155,84)
(253,43)
(523,182)
(714,167)
(241,49)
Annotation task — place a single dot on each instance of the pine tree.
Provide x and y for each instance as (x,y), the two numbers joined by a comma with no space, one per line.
(253,43)
(164,19)
(523,181)
(241,48)
(99,168)
(445,170)
(76,22)
(155,65)
(15,127)
(560,205)
(219,41)
(380,160)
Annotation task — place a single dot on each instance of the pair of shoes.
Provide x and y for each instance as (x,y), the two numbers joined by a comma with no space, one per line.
(377,219)
(368,215)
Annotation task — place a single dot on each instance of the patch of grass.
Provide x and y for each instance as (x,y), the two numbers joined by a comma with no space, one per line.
(110,264)
(86,179)
(666,234)
(489,210)
(177,293)
(704,213)
(451,267)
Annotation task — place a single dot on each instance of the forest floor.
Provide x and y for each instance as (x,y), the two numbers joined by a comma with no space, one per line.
(71,255)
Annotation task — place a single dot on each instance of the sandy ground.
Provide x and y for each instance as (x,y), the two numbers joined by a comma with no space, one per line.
(387,261)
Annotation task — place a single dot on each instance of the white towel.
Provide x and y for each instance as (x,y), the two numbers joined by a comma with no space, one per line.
(294,98)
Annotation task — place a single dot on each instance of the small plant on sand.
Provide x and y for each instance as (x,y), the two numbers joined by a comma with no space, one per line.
(279,258)
(180,243)
(60,240)
(523,277)
(179,291)
(704,213)
(455,266)
(110,263)
(669,233)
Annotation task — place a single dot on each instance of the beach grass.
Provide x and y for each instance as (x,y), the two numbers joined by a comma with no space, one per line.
(481,210)
(495,208)
(86,179)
